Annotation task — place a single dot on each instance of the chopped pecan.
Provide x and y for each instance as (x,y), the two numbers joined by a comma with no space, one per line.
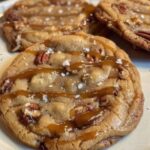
(122,7)
(6,86)
(122,73)
(13,16)
(30,114)
(93,55)
(143,34)
(26,120)
(33,106)
(42,58)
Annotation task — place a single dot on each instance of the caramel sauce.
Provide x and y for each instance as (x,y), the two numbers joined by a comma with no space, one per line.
(57,129)
(79,121)
(98,93)
(88,8)
(86,118)
(83,137)
(78,65)
(87,136)
(34,52)
(31,72)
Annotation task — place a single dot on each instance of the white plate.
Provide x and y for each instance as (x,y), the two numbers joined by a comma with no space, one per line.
(139,139)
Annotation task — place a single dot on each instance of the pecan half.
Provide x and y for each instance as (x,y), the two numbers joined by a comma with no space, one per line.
(122,7)
(143,34)
(42,58)
(6,86)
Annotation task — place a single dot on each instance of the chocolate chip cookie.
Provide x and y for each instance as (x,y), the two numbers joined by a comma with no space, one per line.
(129,18)
(30,21)
(71,92)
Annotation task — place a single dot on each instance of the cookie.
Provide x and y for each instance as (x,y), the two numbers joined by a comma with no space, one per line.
(128,18)
(28,22)
(71,92)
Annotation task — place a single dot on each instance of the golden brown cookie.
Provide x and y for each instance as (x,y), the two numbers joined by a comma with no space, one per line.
(32,21)
(129,18)
(71,92)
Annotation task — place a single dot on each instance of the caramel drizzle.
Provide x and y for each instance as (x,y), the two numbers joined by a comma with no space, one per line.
(42,3)
(80,120)
(98,93)
(111,61)
(83,137)
(31,72)
(34,52)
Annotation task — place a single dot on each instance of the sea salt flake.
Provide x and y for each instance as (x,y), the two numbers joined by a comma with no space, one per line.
(86,49)
(45,98)
(67,73)
(80,85)
(27,104)
(142,16)
(66,63)
(99,83)
(63,74)
(77,96)
(119,61)
(50,51)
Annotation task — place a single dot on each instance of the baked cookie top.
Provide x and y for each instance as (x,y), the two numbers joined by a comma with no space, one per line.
(129,18)
(32,21)
(71,92)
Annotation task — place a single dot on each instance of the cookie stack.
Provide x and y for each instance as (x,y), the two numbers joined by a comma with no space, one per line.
(69,89)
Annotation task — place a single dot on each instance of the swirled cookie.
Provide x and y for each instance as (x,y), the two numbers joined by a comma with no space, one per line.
(32,21)
(71,92)
(129,18)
